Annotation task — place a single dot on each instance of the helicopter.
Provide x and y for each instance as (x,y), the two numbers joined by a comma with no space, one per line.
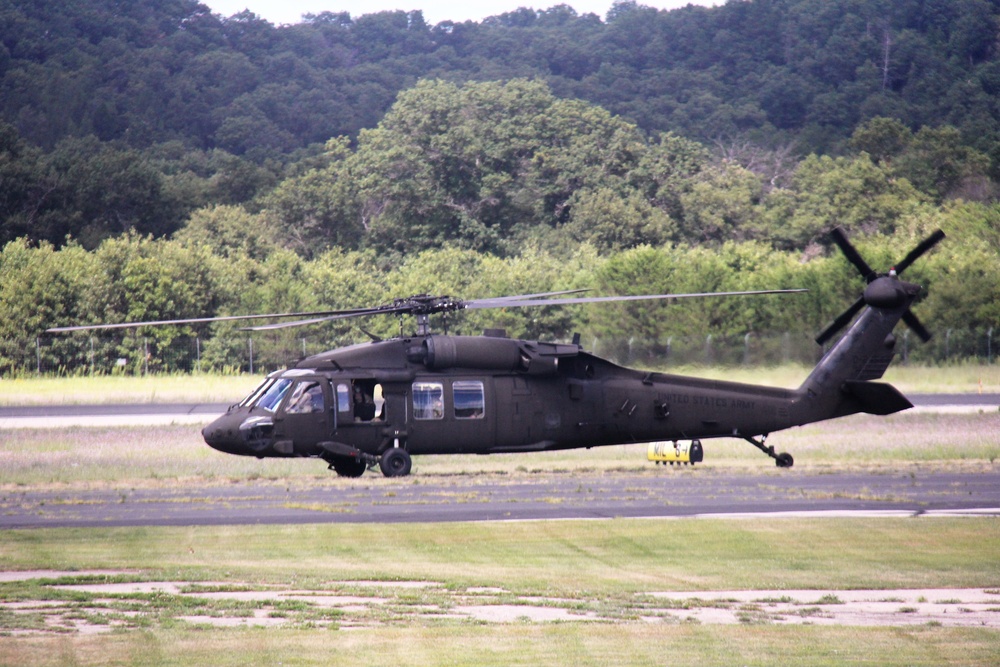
(379,403)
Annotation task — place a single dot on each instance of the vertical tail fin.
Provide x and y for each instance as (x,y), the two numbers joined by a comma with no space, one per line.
(841,382)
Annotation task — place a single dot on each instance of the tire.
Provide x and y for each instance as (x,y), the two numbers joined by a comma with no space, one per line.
(349,467)
(784,460)
(395,462)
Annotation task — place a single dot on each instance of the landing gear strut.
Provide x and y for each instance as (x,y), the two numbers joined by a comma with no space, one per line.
(783,460)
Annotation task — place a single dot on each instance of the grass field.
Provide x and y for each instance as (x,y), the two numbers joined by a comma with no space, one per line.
(404,583)
(607,569)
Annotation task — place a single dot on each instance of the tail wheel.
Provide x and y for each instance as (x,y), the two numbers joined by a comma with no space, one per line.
(395,462)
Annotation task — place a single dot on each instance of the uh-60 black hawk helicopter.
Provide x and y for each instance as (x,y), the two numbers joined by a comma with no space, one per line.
(487,394)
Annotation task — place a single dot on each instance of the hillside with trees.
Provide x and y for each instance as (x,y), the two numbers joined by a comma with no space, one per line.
(159,161)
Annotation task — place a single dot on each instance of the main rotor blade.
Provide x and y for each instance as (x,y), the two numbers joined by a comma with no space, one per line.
(524,303)
(923,247)
(520,301)
(839,237)
(203,320)
(842,321)
(527,296)
(319,320)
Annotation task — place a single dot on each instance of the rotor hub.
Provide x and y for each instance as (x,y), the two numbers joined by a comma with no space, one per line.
(889,292)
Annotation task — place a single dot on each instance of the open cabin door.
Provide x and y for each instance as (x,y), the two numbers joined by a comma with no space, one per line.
(360,412)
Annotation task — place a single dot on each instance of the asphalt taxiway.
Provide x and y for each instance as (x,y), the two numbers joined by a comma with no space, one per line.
(660,492)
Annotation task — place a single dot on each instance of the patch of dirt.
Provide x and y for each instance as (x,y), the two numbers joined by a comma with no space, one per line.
(347,605)
(938,606)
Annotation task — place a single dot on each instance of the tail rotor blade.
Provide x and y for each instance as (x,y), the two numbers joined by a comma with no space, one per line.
(915,326)
(839,237)
(923,247)
(841,322)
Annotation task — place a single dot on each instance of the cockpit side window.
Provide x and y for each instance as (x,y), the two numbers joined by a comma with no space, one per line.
(306,398)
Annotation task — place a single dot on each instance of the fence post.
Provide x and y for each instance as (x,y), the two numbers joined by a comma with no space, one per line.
(250,342)
(38,353)
(989,346)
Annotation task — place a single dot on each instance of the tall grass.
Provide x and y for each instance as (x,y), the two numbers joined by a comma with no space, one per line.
(219,388)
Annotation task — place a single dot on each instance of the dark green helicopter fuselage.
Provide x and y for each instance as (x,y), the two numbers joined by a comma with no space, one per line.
(439,394)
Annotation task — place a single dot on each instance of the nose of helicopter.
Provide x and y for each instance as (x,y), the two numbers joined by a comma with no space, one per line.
(241,431)
(224,435)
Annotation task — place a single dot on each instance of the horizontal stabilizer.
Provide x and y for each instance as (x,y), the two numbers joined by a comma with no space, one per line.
(877,398)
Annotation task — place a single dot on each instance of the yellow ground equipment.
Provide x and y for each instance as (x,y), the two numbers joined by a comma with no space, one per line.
(677,451)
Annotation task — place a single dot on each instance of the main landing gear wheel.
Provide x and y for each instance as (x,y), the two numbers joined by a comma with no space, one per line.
(784,460)
(395,462)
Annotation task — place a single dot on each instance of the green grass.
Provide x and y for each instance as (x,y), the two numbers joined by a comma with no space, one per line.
(582,565)
(562,558)
(108,389)
(619,644)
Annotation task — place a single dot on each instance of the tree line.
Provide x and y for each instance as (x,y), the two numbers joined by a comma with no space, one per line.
(135,278)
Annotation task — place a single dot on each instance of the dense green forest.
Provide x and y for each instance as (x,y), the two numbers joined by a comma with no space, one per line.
(159,161)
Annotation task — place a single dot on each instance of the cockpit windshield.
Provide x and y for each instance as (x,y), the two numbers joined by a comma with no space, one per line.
(271,398)
(256,393)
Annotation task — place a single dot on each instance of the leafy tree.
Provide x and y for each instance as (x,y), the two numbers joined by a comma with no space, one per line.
(318,209)
(607,220)
(230,232)
(938,164)
(854,193)
(469,164)
(883,139)
(40,287)
(136,278)
(721,204)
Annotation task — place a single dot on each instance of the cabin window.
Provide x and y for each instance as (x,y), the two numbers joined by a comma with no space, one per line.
(344,397)
(470,400)
(271,398)
(428,400)
(306,398)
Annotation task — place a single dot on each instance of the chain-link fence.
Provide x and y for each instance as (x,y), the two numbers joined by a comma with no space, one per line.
(263,352)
